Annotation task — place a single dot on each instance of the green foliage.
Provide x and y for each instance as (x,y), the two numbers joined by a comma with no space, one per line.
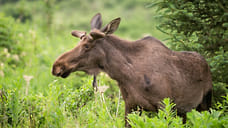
(223,106)
(49,11)
(5,1)
(7,32)
(78,98)
(166,118)
(207,119)
(41,110)
(218,90)
(19,12)
(10,46)
(201,21)
(218,64)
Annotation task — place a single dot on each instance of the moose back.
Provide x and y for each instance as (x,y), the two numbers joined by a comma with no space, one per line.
(146,70)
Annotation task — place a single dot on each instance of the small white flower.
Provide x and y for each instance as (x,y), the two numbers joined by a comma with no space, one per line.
(5,50)
(33,33)
(102,89)
(16,57)
(27,79)
(7,55)
(23,54)
(20,34)
(2,73)
(2,64)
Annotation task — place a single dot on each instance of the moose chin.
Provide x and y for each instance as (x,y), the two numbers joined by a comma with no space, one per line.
(146,70)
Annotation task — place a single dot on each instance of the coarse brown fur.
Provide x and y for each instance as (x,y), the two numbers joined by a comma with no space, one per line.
(146,70)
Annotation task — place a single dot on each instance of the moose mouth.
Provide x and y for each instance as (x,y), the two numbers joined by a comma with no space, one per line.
(65,74)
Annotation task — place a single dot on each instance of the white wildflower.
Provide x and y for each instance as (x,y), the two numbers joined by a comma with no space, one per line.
(7,55)
(16,57)
(2,73)
(2,65)
(33,33)
(23,54)
(20,34)
(5,50)
(27,79)
(102,89)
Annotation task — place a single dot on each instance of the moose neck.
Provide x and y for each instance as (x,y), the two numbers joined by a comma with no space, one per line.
(118,63)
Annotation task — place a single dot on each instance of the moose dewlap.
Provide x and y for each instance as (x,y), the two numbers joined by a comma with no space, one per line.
(146,70)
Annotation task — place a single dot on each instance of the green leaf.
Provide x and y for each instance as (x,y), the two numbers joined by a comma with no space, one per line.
(225,25)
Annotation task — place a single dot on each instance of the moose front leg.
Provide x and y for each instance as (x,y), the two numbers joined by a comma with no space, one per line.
(128,110)
(95,82)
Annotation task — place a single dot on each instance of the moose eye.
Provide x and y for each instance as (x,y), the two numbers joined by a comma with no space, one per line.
(86,46)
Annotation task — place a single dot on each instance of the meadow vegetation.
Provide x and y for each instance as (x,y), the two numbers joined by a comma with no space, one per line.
(33,33)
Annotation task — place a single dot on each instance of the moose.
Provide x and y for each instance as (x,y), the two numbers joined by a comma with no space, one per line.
(146,70)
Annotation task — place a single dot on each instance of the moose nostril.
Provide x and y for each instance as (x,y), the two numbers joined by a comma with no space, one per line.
(58,74)
(58,70)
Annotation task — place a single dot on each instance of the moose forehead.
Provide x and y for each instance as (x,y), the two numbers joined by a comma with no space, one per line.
(85,39)
(85,43)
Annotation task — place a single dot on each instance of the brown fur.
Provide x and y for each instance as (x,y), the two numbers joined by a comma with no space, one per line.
(146,70)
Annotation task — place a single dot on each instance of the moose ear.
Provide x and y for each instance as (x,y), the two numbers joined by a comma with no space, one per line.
(96,21)
(112,26)
(78,34)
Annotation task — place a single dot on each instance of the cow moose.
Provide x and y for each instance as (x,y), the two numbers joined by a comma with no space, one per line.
(146,70)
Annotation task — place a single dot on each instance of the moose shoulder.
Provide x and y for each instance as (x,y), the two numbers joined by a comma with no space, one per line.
(146,70)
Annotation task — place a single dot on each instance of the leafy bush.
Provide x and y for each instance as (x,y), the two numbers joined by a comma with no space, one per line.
(5,1)
(212,119)
(167,118)
(16,109)
(218,64)
(20,11)
(7,34)
(223,106)
(10,49)
(78,98)
(201,22)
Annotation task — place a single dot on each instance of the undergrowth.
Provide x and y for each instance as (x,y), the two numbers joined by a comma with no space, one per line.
(167,118)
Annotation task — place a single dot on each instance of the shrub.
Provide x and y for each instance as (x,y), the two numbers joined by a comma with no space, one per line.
(167,118)
(7,34)
(20,11)
(10,49)
(21,109)
(212,119)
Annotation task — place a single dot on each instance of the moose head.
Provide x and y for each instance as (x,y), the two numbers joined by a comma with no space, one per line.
(87,56)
